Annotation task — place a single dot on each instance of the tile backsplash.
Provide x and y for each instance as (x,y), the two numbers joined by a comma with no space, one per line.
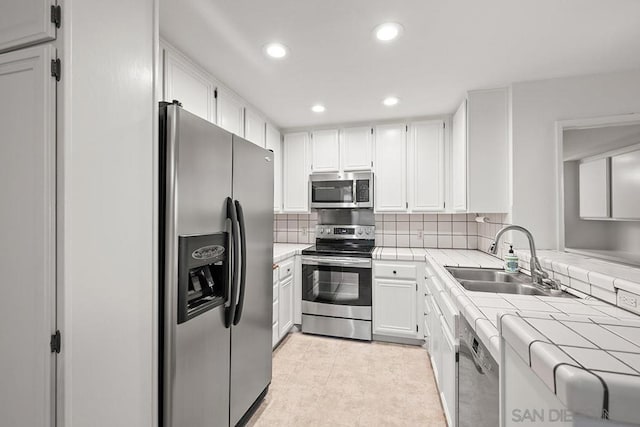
(444,231)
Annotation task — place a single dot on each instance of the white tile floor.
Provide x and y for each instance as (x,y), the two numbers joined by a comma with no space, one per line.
(320,381)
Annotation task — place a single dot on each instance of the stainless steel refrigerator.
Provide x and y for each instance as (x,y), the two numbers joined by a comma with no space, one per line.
(216,256)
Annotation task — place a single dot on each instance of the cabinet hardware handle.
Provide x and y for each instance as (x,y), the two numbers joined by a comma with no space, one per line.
(395,272)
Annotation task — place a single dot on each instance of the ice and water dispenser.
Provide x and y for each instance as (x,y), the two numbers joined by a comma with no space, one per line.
(202,274)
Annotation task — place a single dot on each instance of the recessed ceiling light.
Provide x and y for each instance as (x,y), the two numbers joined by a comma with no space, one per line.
(390,101)
(276,50)
(388,31)
(318,108)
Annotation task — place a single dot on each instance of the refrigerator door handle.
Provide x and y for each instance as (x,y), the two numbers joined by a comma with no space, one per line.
(243,268)
(230,310)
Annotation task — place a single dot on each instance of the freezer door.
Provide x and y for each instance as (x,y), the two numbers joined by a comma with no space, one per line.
(196,173)
(251,337)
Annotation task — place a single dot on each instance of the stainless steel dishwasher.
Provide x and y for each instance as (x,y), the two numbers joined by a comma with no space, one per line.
(478,398)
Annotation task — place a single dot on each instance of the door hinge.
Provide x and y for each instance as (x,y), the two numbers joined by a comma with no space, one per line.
(406,128)
(416,287)
(371,163)
(407,204)
(56,15)
(371,131)
(56,68)
(56,342)
(416,328)
(457,357)
(215,93)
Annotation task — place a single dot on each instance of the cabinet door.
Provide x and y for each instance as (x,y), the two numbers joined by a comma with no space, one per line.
(459,158)
(394,308)
(594,188)
(356,148)
(230,112)
(27,227)
(426,166)
(184,82)
(488,150)
(274,144)
(449,375)
(25,22)
(325,152)
(285,319)
(625,185)
(435,342)
(254,127)
(296,172)
(390,168)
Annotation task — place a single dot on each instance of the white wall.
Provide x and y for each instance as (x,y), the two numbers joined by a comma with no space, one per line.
(536,106)
(106,201)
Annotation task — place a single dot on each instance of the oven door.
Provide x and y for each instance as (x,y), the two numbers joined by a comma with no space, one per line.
(336,286)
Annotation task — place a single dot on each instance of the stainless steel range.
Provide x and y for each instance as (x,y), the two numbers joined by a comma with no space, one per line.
(336,281)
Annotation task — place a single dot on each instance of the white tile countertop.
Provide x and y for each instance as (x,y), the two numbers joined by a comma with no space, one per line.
(283,251)
(589,275)
(591,363)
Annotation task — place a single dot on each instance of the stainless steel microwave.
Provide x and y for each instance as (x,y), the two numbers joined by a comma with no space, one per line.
(341,190)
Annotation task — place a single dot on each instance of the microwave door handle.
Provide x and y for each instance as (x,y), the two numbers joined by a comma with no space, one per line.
(229,312)
(243,263)
(354,192)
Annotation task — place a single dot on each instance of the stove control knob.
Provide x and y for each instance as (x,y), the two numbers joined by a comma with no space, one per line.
(368,230)
(321,230)
(359,231)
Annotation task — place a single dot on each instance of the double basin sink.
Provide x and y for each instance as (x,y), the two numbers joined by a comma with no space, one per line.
(498,281)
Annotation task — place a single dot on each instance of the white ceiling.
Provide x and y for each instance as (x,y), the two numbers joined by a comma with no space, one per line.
(448,47)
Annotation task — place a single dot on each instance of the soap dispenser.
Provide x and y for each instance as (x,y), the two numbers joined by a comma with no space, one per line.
(511,261)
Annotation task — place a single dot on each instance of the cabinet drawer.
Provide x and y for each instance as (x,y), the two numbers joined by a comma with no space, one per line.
(286,269)
(276,307)
(396,271)
(449,312)
(427,307)
(275,292)
(276,272)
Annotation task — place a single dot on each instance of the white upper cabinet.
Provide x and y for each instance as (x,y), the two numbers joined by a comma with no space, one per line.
(296,172)
(480,149)
(25,22)
(254,127)
(488,151)
(184,82)
(230,112)
(625,185)
(275,144)
(390,168)
(594,188)
(356,148)
(459,158)
(425,166)
(326,151)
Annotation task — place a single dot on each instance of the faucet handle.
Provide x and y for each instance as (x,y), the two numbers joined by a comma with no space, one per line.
(492,247)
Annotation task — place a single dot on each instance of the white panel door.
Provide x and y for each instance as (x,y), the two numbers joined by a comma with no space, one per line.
(186,83)
(356,148)
(459,158)
(285,318)
(296,172)
(27,245)
(390,168)
(394,308)
(625,182)
(274,144)
(425,166)
(230,112)
(254,127)
(25,22)
(594,188)
(326,151)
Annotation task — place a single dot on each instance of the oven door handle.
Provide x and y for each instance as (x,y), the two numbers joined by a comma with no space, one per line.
(347,262)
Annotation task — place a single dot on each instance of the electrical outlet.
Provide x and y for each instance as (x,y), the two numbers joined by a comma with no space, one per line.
(304,231)
(419,234)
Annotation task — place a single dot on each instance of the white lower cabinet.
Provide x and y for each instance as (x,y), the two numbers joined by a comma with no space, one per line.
(285,317)
(441,317)
(283,299)
(395,300)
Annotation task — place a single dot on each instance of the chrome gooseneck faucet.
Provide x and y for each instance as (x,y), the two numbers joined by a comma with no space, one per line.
(538,275)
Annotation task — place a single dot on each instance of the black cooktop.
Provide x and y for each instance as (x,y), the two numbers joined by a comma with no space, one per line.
(347,248)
